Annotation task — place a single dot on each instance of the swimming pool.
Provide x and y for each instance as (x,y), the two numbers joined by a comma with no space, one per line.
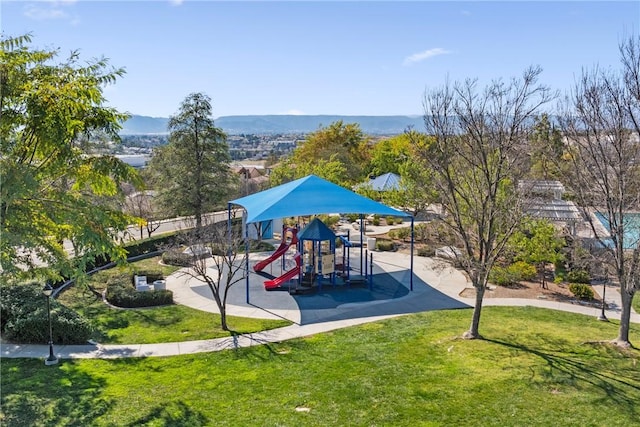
(631,228)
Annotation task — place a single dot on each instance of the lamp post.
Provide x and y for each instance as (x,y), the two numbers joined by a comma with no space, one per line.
(52,359)
(602,316)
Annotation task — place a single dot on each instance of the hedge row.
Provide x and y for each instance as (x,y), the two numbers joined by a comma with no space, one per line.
(23,314)
(124,295)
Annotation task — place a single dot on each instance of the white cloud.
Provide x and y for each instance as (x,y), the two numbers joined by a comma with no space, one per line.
(48,10)
(43,13)
(421,56)
(176,2)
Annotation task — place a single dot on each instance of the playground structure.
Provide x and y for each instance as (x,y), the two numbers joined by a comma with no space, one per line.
(313,195)
(318,248)
(315,260)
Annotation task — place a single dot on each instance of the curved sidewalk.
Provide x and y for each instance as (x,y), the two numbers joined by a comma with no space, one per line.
(445,280)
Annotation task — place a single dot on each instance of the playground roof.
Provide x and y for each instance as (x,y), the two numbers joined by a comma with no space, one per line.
(386,182)
(316,230)
(308,196)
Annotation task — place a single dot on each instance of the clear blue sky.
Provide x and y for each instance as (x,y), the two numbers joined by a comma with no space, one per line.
(349,58)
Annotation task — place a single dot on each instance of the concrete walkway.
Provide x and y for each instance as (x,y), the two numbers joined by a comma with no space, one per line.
(436,286)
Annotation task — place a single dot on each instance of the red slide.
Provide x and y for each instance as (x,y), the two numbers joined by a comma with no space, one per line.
(289,237)
(274,256)
(288,275)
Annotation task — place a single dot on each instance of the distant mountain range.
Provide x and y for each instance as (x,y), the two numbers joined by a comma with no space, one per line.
(255,124)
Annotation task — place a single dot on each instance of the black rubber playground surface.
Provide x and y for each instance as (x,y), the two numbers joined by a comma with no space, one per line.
(387,295)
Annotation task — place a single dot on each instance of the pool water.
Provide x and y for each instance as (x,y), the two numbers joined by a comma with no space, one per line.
(631,229)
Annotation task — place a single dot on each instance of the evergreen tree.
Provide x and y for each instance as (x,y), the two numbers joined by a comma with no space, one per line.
(191,173)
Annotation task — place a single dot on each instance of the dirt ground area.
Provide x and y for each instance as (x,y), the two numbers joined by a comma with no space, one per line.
(533,290)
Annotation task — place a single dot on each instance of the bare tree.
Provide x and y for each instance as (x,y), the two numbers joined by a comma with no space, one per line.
(218,259)
(477,157)
(140,205)
(601,121)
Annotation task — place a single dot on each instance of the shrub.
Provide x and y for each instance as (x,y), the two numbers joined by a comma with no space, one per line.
(503,276)
(581,291)
(511,275)
(523,270)
(420,232)
(177,258)
(124,295)
(329,220)
(24,317)
(385,245)
(353,217)
(403,233)
(393,234)
(260,246)
(426,251)
(578,276)
(391,220)
(151,244)
(375,221)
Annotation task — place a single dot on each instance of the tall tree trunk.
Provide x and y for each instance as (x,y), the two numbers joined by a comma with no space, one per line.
(223,319)
(625,317)
(473,333)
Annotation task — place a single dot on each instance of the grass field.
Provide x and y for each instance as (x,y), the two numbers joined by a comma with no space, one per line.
(535,367)
(151,325)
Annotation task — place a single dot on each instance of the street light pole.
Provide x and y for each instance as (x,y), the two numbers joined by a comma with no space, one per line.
(52,359)
(603,316)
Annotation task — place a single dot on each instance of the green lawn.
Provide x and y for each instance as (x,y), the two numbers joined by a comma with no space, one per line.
(535,367)
(151,325)
(636,302)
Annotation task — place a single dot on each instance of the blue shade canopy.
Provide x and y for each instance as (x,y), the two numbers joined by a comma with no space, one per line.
(386,182)
(308,196)
(317,230)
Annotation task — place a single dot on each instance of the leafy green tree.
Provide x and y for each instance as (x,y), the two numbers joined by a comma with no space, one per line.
(191,173)
(397,155)
(388,155)
(477,157)
(537,242)
(52,190)
(338,152)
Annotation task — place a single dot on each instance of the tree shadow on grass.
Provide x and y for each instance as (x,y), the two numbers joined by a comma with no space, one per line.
(172,414)
(34,394)
(621,387)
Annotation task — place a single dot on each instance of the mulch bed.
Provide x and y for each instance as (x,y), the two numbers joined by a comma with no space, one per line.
(533,290)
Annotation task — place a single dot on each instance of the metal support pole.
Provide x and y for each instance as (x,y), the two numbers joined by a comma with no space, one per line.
(603,317)
(52,359)
(246,258)
(370,270)
(365,272)
(361,241)
(411,257)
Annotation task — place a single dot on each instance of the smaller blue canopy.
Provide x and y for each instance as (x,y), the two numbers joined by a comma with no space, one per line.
(386,182)
(316,230)
(308,196)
